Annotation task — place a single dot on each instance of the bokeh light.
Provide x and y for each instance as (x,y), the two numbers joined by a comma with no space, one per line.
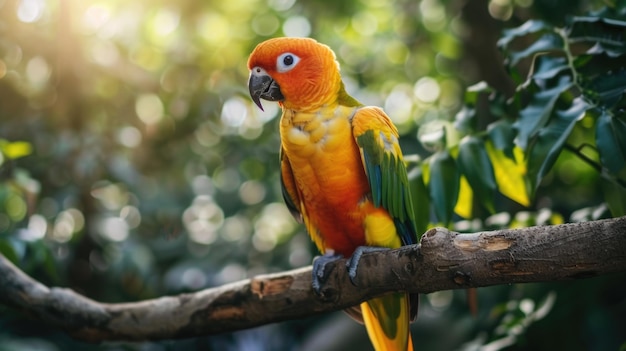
(297,26)
(129,136)
(38,71)
(149,108)
(427,90)
(30,10)
(273,226)
(234,112)
(203,219)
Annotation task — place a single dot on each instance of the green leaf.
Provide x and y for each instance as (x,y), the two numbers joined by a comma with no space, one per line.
(443,185)
(474,163)
(473,92)
(601,30)
(611,141)
(610,51)
(46,259)
(547,145)
(591,65)
(502,134)
(607,34)
(16,246)
(421,199)
(529,27)
(609,87)
(436,135)
(546,67)
(465,119)
(550,41)
(615,197)
(7,250)
(538,111)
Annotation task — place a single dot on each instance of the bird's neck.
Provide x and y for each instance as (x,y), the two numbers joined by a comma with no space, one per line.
(311,98)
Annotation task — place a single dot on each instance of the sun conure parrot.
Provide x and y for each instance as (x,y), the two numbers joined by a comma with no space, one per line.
(342,170)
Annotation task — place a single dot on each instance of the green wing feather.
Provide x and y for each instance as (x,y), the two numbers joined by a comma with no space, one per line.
(382,159)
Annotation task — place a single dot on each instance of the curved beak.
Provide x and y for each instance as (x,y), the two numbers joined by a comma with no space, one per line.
(262,86)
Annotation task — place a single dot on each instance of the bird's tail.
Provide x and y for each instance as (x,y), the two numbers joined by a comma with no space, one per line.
(387,321)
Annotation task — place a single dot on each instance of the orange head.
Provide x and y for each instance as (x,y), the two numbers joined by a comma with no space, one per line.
(299,73)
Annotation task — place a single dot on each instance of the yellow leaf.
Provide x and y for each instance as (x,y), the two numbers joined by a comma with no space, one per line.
(464,202)
(17,149)
(510,174)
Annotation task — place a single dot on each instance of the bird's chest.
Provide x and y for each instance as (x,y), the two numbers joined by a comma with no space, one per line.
(320,144)
(328,173)
(324,157)
(321,134)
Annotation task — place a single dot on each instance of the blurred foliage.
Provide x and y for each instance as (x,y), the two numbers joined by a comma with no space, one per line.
(133,164)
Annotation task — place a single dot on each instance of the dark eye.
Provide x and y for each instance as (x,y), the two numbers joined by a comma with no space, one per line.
(286,62)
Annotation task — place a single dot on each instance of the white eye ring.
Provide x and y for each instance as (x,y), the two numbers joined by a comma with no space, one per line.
(285,62)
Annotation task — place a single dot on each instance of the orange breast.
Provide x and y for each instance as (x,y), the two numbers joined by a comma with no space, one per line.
(329,175)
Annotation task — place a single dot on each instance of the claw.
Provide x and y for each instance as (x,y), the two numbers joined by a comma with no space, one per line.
(353,262)
(321,271)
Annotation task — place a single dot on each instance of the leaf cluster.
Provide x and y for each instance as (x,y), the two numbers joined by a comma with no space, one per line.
(575,77)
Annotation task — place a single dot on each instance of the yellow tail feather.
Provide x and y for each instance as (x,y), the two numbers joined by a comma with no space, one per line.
(386,319)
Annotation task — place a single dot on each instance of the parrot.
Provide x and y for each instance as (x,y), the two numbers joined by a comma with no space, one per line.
(342,171)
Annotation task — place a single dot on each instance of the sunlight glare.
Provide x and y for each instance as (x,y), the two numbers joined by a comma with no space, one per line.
(30,11)
(37,227)
(149,108)
(95,17)
(273,227)
(252,192)
(234,112)
(236,228)
(399,105)
(131,215)
(202,219)
(38,71)
(297,26)
(165,22)
(114,229)
(434,14)
(129,136)
(427,90)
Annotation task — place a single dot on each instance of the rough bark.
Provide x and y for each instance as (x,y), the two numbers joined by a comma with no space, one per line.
(444,260)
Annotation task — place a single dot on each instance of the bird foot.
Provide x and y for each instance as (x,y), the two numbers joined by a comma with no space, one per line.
(322,270)
(353,262)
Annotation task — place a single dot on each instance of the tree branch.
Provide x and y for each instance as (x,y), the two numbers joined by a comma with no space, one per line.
(444,260)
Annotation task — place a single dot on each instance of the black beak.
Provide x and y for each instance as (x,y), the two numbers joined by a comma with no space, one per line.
(262,86)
